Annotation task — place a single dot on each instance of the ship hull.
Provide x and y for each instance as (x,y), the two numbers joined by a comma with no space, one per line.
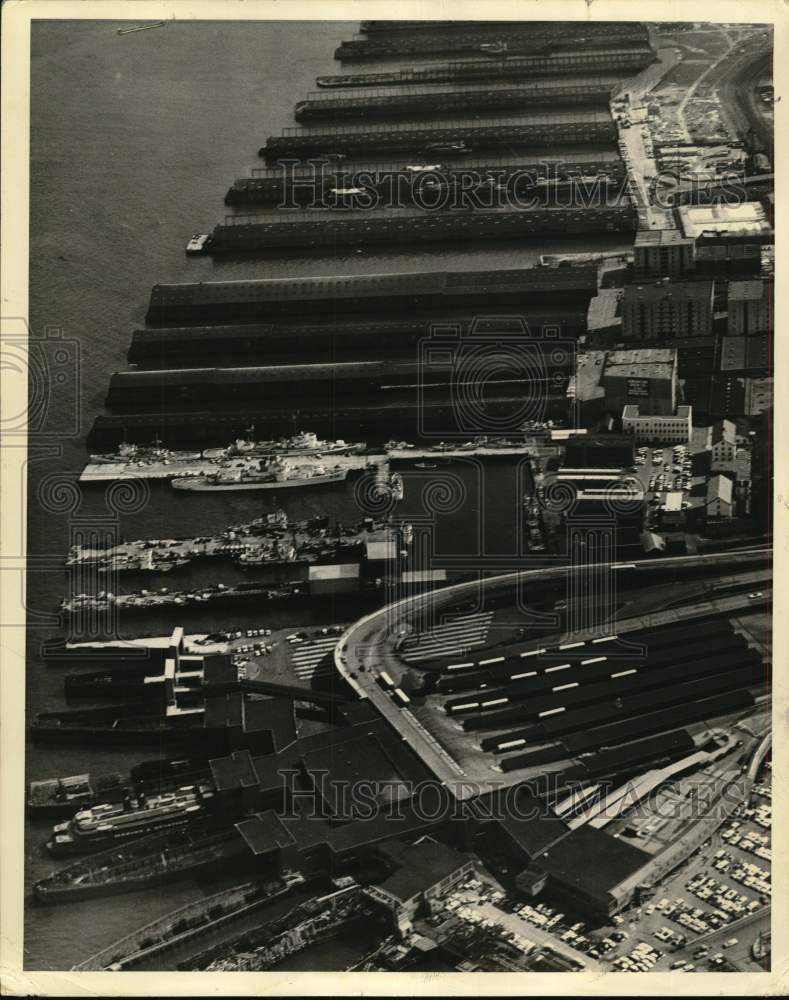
(205,486)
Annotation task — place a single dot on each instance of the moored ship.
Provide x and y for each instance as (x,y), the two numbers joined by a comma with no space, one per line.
(274,474)
(148,862)
(63,796)
(300,445)
(109,822)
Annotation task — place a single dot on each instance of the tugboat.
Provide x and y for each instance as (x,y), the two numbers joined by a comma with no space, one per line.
(396,486)
(269,475)
(198,243)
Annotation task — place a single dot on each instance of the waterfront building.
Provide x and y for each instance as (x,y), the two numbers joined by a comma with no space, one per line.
(668,309)
(663,253)
(672,428)
(750,307)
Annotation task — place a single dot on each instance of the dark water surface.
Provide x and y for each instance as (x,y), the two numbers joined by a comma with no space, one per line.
(134,141)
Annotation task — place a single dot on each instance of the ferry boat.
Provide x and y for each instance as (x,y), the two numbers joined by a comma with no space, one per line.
(106,824)
(305,443)
(275,474)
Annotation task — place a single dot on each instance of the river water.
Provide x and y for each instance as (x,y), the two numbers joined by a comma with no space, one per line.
(134,141)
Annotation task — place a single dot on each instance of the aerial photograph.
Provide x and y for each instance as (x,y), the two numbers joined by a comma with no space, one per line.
(399,496)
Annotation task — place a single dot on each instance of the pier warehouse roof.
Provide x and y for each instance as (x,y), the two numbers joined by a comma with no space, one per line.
(727,223)
(589,867)
(420,867)
(269,298)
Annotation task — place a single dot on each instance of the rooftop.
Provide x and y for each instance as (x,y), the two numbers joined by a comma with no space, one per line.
(724,430)
(592,861)
(720,488)
(420,867)
(746,219)
(657,291)
(752,290)
(660,237)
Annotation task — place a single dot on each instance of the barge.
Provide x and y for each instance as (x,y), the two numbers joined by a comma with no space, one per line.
(340,231)
(625,60)
(448,135)
(146,863)
(63,796)
(413,102)
(372,294)
(200,917)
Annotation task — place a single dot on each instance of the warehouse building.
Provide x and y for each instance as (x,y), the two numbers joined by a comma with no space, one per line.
(750,305)
(607,381)
(668,309)
(727,238)
(720,497)
(663,253)
(675,428)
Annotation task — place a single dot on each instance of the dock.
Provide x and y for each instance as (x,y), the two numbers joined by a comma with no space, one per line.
(624,60)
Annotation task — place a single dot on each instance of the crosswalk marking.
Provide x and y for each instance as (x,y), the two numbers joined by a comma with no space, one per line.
(450,639)
(313,660)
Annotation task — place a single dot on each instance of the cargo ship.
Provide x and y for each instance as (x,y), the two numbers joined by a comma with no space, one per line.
(277,473)
(200,917)
(109,823)
(627,60)
(146,863)
(269,540)
(446,136)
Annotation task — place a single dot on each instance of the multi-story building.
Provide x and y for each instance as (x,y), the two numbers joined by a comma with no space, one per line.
(673,428)
(750,307)
(723,445)
(728,238)
(668,309)
(607,381)
(663,253)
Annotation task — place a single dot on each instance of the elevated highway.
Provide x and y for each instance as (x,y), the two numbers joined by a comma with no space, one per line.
(370,646)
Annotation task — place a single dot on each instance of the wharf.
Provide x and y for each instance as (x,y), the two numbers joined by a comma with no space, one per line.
(626,60)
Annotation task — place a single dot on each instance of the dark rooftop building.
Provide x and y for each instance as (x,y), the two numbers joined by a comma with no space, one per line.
(588,869)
